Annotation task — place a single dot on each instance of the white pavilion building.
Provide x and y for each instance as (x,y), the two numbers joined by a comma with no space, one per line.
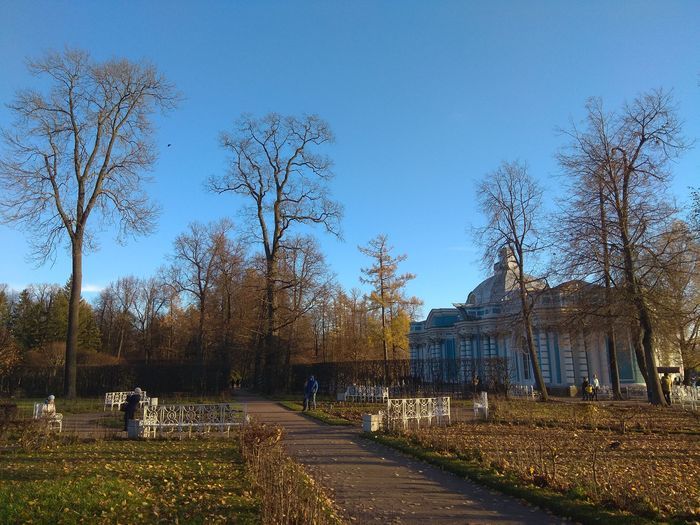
(454,344)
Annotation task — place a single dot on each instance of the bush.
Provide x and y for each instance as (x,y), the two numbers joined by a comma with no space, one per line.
(289,496)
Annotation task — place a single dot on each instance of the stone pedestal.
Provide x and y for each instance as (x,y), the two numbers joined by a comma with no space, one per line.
(371,422)
(132,429)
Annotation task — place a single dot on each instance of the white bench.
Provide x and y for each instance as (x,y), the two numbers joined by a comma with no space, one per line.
(52,419)
(686,396)
(481,405)
(186,418)
(365,394)
(421,410)
(115,399)
(636,392)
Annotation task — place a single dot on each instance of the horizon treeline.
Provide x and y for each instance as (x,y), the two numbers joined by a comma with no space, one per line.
(207,306)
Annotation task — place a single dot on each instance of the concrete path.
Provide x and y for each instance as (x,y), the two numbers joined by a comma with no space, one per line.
(371,483)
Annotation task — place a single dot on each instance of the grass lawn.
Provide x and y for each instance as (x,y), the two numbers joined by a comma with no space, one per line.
(189,481)
(88,405)
(319,414)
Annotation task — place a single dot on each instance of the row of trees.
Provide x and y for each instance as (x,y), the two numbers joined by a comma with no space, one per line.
(617,228)
(207,306)
(81,149)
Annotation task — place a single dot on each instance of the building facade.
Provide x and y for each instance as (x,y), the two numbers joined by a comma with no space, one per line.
(484,337)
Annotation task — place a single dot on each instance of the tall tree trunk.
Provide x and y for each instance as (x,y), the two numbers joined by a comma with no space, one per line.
(200,332)
(639,351)
(121,340)
(384,346)
(609,334)
(653,381)
(645,322)
(530,339)
(612,356)
(71,366)
(269,336)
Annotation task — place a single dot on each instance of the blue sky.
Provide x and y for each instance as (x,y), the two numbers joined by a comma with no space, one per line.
(424,98)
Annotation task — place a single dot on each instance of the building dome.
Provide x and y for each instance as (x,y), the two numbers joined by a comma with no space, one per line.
(502,283)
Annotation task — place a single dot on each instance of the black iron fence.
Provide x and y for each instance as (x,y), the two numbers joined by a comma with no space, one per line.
(425,377)
(156,378)
(458,377)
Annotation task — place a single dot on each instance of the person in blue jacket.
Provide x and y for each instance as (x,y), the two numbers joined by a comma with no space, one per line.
(310,389)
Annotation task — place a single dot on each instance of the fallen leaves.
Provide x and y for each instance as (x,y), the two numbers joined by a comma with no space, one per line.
(645,471)
(127,482)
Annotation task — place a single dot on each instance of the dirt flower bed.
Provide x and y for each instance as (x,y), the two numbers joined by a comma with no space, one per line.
(595,415)
(650,474)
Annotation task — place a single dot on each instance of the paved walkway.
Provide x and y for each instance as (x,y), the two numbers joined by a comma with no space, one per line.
(371,483)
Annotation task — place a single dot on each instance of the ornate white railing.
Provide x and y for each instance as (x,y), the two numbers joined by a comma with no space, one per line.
(115,399)
(365,394)
(425,410)
(524,391)
(686,396)
(186,418)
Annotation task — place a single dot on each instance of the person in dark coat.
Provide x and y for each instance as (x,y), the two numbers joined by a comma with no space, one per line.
(132,403)
(310,389)
(666,383)
(585,385)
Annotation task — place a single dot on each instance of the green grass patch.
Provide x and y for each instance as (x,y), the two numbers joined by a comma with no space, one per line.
(320,415)
(191,481)
(25,406)
(572,505)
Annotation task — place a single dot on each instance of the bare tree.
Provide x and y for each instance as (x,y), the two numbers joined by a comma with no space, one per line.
(125,291)
(78,150)
(581,232)
(150,300)
(277,165)
(511,202)
(675,298)
(196,265)
(630,151)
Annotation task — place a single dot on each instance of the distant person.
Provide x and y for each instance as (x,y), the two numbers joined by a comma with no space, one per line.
(48,410)
(310,389)
(585,385)
(132,403)
(596,386)
(666,382)
(475,384)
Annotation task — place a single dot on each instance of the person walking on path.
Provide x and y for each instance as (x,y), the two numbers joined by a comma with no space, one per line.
(132,403)
(310,390)
(596,386)
(666,387)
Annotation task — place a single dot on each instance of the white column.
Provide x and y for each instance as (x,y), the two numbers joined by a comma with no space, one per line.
(567,358)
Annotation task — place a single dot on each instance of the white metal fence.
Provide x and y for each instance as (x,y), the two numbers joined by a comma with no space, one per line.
(365,394)
(187,418)
(115,399)
(425,410)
